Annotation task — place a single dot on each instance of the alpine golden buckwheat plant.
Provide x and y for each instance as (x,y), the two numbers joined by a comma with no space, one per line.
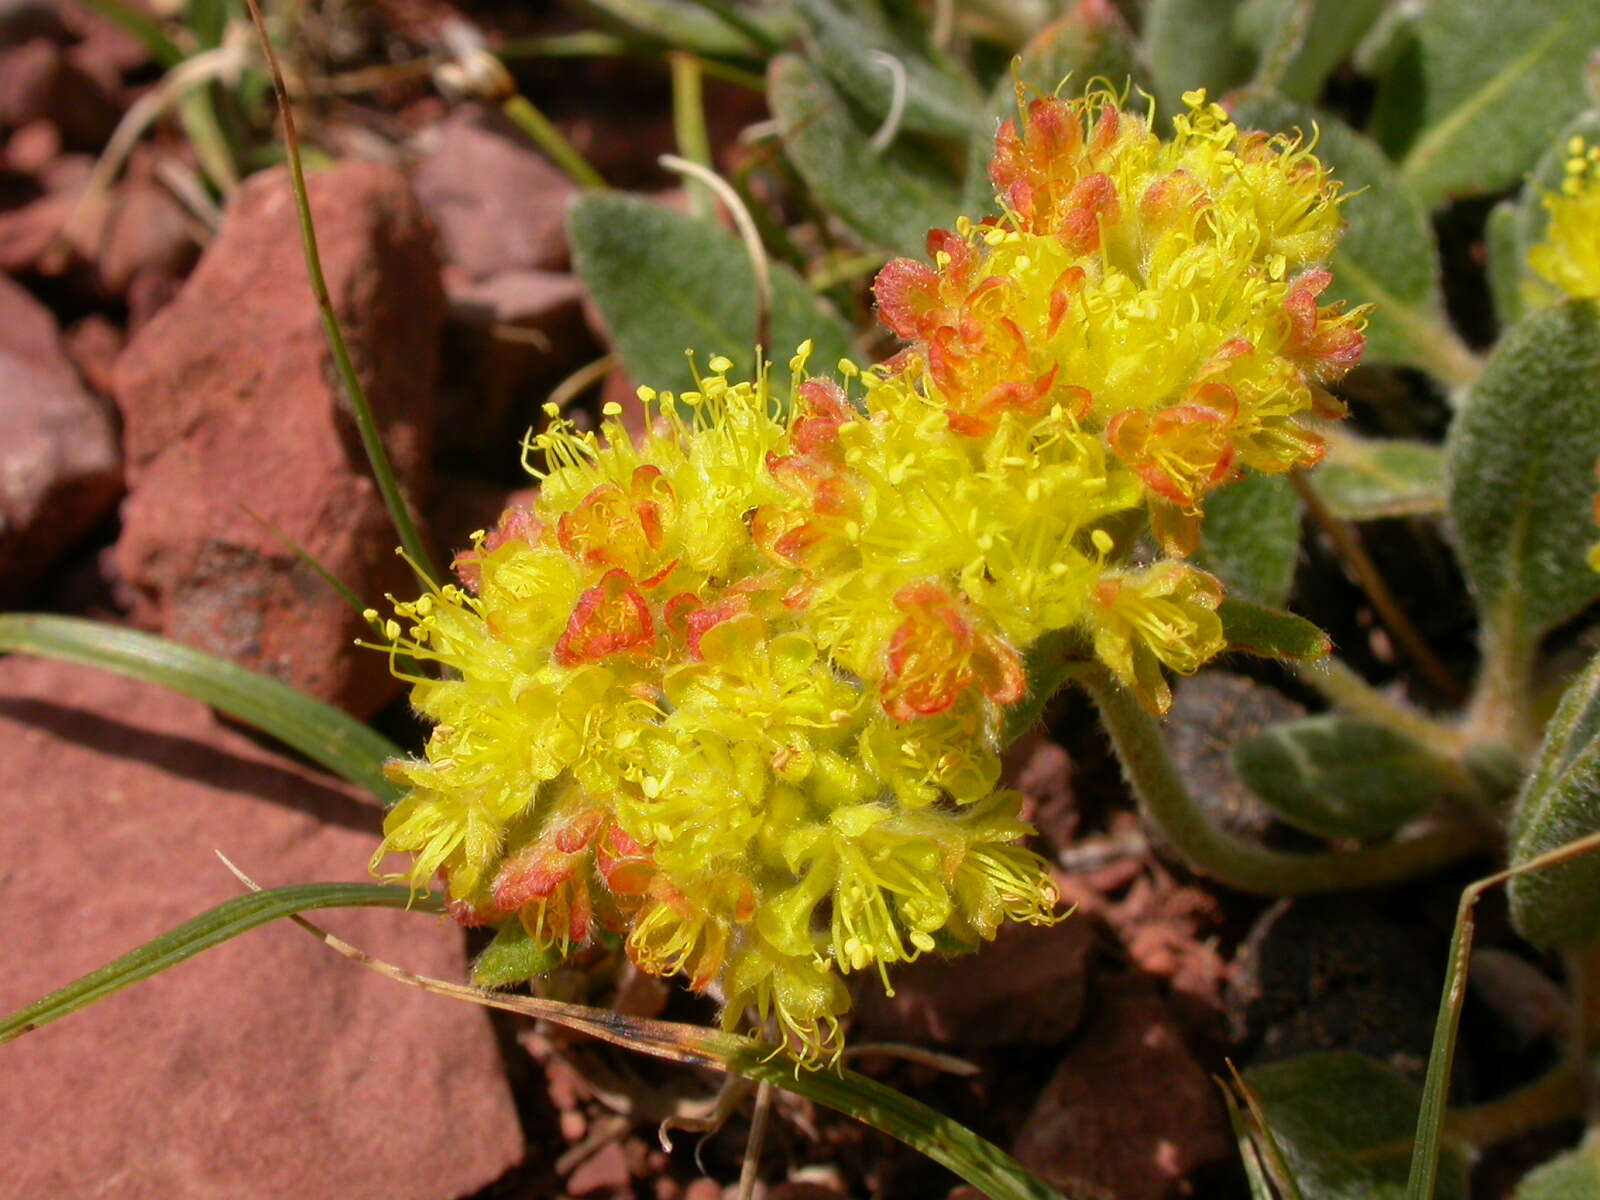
(731,693)
(734,692)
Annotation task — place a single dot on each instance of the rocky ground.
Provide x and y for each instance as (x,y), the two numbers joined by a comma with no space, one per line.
(169,419)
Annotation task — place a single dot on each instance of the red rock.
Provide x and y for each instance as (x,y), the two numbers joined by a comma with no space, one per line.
(1027,986)
(804,1190)
(147,231)
(93,345)
(1129,1114)
(1042,771)
(603,1173)
(60,470)
(498,204)
(230,399)
(104,46)
(40,81)
(267,1067)
(516,336)
(32,146)
(21,20)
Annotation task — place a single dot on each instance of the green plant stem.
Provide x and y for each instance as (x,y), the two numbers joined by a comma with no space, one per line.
(1444,354)
(1347,691)
(736,20)
(845,269)
(371,440)
(1557,1096)
(1168,807)
(689,127)
(1288,37)
(592,43)
(1431,1118)
(1502,698)
(551,140)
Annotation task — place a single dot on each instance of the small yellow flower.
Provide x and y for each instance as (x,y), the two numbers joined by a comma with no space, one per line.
(1569,256)
(1164,615)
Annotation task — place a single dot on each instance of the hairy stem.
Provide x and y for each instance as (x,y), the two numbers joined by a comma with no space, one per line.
(1168,807)
(1555,1097)
(1347,691)
(689,127)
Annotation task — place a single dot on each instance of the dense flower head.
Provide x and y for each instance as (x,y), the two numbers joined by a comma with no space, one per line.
(1162,297)
(735,690)
(1569,257)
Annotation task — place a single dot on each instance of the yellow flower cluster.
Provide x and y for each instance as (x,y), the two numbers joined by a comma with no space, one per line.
(1569,257)
(735,691)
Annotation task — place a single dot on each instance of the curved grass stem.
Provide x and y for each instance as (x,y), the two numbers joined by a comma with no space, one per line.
(1167,806)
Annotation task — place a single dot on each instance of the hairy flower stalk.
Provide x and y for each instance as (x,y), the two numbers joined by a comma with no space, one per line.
(735,691)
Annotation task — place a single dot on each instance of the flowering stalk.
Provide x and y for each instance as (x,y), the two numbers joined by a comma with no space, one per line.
(736,691)
(1167,807)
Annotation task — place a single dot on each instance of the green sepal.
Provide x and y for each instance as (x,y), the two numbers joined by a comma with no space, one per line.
(513,957)
(1271,633)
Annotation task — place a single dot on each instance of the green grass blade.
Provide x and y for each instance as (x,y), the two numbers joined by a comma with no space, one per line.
(953,1146)
(210,928)
(366,423)
(979,1162)
(324,734)
(1447,1028)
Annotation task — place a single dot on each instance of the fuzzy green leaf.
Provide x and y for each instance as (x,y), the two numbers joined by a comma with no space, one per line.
(1365,479)
(687,26)
(1269,633)
(1334,29)
(1507,264)
(891,199)
(513,957)
(666,283)
(1574,1175)
(1251,538)
(849,38)
(1480,90)
(1520,471)
(1388,256)
(1193,43)
(324,734)
(1343,777)
(1559,803)
(1345,1123)
(211,928)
